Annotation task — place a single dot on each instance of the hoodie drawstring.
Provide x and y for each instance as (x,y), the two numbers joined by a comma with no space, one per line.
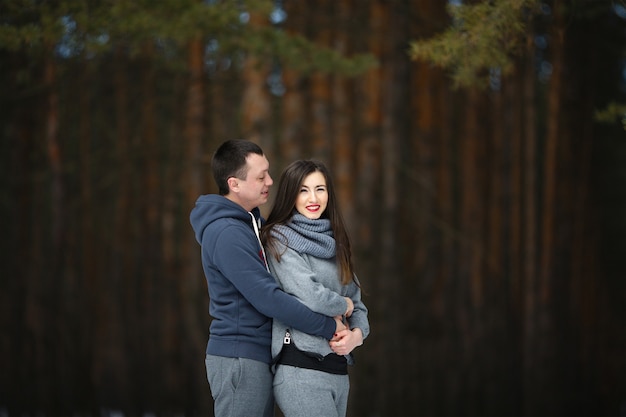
(258,237)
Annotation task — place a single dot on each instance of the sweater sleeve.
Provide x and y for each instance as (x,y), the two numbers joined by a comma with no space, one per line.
(296,277)
(238,256)
(359,315)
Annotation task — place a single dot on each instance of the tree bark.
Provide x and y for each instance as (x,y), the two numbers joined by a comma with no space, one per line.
(320,121)
(343,143)
(193,286)
(256,102)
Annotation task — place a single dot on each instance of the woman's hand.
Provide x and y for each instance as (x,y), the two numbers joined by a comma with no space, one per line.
(350,308)
(345,341)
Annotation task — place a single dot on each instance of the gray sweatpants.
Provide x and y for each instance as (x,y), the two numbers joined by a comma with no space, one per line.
(303,392)
(240,387)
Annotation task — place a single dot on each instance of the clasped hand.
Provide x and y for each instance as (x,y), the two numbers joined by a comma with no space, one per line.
(345,339)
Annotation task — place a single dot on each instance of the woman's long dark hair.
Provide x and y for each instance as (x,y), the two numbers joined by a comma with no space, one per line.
(291,181)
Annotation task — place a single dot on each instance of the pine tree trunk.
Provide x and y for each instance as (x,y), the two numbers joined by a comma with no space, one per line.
(256,102)
(320,120)
(343,145)
(122,250)
(192,287)
(294,133)
(368,171)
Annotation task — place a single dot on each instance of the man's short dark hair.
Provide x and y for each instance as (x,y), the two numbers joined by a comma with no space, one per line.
(229,160)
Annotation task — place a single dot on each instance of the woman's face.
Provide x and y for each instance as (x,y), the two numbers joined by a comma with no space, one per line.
(313,196)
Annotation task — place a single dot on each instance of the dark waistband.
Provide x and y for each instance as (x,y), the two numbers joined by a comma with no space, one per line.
(331,363)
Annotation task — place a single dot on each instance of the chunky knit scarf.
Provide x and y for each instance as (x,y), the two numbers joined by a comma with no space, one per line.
(313,237)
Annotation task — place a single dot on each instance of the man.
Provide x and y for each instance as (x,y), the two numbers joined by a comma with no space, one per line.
(244,297)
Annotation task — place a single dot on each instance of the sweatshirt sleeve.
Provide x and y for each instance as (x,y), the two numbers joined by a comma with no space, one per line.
(296,277)
(238,256)
(359,315)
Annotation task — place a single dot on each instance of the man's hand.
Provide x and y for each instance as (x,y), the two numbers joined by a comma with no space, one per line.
(350,308)
(340,326)
(346,340)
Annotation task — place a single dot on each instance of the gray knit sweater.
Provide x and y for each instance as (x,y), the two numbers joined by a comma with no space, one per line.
(308,271)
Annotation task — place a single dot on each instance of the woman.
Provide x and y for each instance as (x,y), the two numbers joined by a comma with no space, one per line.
(308,252)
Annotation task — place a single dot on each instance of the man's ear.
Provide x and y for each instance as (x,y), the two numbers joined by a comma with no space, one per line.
(233,183)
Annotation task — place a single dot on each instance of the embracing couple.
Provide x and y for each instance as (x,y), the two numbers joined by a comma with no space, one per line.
(285,302)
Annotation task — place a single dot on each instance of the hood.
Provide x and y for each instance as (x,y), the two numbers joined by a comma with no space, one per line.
(212,207)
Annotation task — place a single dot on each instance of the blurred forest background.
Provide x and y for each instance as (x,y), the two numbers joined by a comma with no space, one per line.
(480,159)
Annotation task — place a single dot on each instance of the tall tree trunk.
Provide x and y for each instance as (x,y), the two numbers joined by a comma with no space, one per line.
(148,310)
(256,102)
(471,286)
(173,228)
(52,290)
(21,300)
(320,121)
(81,347)
(113,338)
(518,93)
(192,286)
(293,120)
(294,133)
(429,212)
(395,148)
(53,152)
(368,168)
(583,304)
(343,145)
(472,197)
(554,131)
(529,227)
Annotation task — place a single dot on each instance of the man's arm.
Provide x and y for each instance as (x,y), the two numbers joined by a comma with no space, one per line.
(237,255)
(295,277)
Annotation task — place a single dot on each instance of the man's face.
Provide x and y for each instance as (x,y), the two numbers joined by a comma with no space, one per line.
(253,191)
